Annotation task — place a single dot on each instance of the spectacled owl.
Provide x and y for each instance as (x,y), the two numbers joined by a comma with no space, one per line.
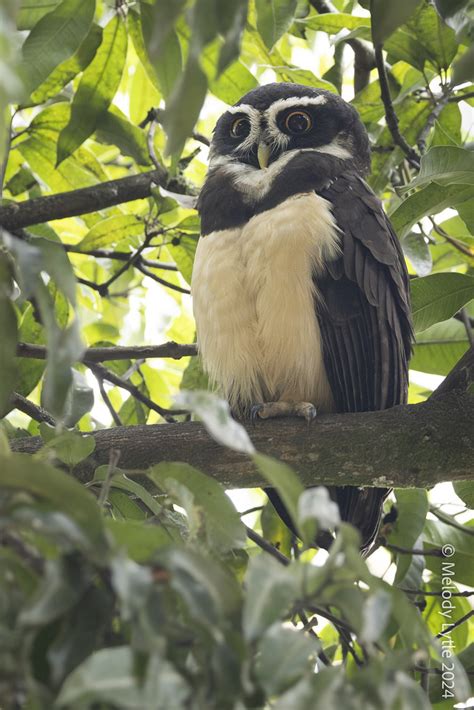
(300,290)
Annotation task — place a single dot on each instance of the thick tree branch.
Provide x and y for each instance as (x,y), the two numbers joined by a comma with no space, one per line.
(76,202)
(143,352)
(407,446)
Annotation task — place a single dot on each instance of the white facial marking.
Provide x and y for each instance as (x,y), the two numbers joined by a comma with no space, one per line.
(254,117)
(255,183)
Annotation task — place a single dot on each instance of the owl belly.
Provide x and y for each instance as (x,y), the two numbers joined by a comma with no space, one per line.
(254,301)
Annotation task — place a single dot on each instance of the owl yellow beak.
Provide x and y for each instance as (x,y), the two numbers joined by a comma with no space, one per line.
(263,154)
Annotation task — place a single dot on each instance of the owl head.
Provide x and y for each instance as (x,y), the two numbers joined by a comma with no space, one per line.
(277,141)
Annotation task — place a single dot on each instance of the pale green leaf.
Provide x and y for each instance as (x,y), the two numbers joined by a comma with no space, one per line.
(274,17)
(437,297)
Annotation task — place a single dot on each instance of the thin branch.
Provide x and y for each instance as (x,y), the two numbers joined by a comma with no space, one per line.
(105,374)
(115,417)
(267,546)
(32,410)
(171,350)
(163,282)
(452,240)
(461,97)
(437,552)
(120,256)
(455,625)
(390,115)
(423,593)
(449,521)
(78,202)
(430,122)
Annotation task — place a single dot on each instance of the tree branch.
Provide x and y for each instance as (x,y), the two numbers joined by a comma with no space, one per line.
(390,115)
(167,350)
(32,410)
(406,446)
(83,201)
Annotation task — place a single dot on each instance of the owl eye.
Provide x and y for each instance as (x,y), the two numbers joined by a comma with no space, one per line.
(298,122)
(240,128)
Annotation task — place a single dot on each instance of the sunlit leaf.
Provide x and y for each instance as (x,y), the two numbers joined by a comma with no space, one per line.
(274,18)
(437,297)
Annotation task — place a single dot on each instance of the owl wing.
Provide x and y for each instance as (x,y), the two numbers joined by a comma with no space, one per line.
(364,314)
(365,322)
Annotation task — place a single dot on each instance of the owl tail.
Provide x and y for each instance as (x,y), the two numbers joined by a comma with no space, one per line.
(362,507)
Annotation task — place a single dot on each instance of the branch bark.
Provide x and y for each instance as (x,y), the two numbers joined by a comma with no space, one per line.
(76,202)
(119,352)
(406,446)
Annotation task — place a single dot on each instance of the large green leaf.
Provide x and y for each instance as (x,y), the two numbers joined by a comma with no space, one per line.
(437,297)
(284,479)
(67,70)
(274,18)
(417,250)
(184,105)
(439,348)
(465,490)
(446,165)
(334,22)
(60,491)
(96,89)
(113,127)
(386,17)
(111,232)
(430,200)
(284,656)
(55,38)
(222,522)
(412,509)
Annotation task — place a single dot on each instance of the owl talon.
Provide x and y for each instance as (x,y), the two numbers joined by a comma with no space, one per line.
(270,410)
(255,412)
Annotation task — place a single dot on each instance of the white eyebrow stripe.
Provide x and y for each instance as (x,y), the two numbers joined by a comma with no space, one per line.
(279,138)
(255,126)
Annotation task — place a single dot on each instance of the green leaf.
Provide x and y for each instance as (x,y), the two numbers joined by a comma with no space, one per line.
(284,656)
(439,348)
(55,38)
(233,83)
(96,89)
(417,250)
(113,127)
(463,69)
(412,509)
(111,232)
(140,541)
(31,11)
(465,490)
(64,493)
(67,70)
(108,676)
(437,297)
(270,590)
(284,479)
(431,199)
(437,41)
(79,401)
(446,165)
(120,480)
(158,46)
(274,530)
(274,17)
(334,22)
(184,105)
(216,416)
(222,522)
(231,18)
(70,447)
(386,17)
(376,615)
(314,504)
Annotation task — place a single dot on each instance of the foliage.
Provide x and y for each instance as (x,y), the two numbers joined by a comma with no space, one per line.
(145,592)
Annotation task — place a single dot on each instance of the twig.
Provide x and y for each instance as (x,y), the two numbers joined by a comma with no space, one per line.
(390,115)
(120,256)
(430,121)
(449,521)
(308,627)
(461,97)
(255,509)
(455,625)
(115,417)
(452,240)
(171,350)
(437,552)
(268,547)
(163,282)
(32,410)
(101,371)
(114,458)
(421,592)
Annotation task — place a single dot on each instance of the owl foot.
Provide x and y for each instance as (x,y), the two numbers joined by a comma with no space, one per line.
(270,410)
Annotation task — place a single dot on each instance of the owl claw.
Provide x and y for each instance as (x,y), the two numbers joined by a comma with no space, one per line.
(269,410)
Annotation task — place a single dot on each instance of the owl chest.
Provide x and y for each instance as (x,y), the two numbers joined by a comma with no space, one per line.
(254,302)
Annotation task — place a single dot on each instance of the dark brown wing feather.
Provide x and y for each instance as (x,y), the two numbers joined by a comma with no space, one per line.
(365,322)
